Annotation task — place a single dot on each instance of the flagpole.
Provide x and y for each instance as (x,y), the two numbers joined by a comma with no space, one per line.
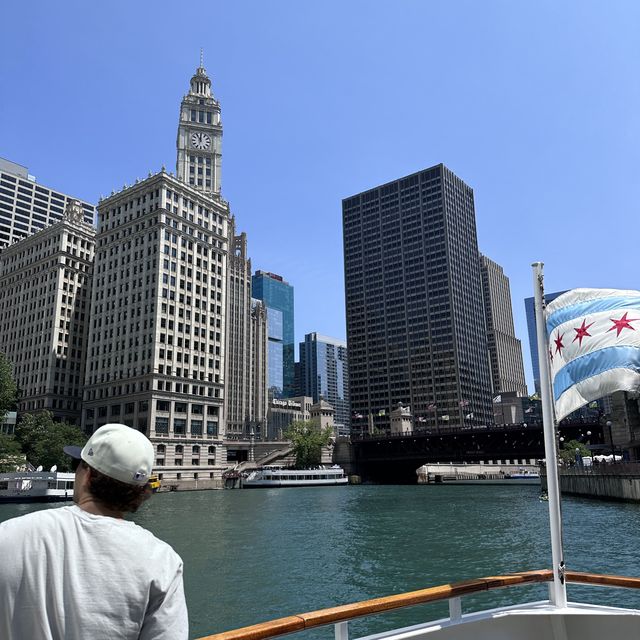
(558,592)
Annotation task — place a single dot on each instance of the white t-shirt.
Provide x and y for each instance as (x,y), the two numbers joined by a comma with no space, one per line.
(66,574)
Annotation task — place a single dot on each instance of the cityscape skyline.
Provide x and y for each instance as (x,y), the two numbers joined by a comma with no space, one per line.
(581,132)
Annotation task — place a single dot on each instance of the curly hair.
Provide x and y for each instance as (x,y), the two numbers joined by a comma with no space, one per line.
(116,495)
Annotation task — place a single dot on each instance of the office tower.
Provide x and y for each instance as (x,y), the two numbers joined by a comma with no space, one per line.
(259,369)
(45,288)
(324,374)
(277,295)
(415,318)
(505,350)
(157,357)
(27,207)
(246,344)
(529,306)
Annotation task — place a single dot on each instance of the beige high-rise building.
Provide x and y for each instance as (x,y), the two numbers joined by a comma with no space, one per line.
(157,345)
(505,350)
(246,347)
(259,369)
(26,206)
(45,287)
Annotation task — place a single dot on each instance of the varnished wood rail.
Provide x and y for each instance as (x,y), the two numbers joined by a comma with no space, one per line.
(346,612)
(342,614)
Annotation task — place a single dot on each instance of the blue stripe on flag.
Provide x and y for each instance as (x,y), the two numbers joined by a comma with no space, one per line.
(593,363)
(596,305)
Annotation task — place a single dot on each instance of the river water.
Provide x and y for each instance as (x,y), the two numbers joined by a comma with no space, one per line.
(254,555)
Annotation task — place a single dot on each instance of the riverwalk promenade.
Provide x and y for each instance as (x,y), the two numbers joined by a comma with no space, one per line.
(614,481)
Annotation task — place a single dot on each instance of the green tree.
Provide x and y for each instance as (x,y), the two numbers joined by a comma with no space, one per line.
(307,440)
(10,453)
(8,387)
(42,440)
(568,451)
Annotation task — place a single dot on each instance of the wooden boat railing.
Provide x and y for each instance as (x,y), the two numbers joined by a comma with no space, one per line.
(340,616)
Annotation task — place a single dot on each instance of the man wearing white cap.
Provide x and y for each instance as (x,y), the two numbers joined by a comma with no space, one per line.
(83,571)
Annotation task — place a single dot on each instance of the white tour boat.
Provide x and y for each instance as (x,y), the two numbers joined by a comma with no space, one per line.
(555,618)
(270,476)
(36,486)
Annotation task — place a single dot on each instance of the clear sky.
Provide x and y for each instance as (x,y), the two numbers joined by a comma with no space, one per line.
(536,105)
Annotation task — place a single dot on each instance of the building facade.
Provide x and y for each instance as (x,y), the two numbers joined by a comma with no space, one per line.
(505,350)
(157,346)
(277,295)
(415,318)
(45,288)
(529,306)
(284,411)
(246,346)
(259,370)
(324,374)
(27,207)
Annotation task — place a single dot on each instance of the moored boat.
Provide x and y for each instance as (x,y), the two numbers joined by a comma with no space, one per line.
(280,477)
(36,486)
(154,483)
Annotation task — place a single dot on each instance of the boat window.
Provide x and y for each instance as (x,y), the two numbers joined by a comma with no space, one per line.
(4,485)
(52,484)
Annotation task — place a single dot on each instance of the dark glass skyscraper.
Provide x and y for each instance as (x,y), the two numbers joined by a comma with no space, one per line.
(415,318)
(277,295)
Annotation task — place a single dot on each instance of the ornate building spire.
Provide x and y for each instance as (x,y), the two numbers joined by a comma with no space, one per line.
(199,143)
(200,82)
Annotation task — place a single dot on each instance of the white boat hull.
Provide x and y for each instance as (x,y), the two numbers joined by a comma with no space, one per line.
(36,486)
(270,477)
(533,621)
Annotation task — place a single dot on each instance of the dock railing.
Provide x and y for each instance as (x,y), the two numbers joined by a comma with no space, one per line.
(341,615)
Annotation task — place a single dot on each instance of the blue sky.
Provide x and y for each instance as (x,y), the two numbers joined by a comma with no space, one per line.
(536,105)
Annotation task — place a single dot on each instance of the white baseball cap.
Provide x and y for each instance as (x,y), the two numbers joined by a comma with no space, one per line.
(117,451)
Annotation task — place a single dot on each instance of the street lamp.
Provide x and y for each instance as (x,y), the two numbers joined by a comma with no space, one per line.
(613,449)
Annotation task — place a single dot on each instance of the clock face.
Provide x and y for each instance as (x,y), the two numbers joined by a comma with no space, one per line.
(200,140)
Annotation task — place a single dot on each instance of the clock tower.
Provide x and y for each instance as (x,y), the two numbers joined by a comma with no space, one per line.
(199,143)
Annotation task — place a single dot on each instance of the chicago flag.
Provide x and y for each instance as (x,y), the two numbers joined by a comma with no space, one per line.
(594,345)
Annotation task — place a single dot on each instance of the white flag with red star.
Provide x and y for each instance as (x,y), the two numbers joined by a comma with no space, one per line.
(594,345)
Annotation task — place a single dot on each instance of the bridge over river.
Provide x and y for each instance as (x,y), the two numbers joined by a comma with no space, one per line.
(394,458)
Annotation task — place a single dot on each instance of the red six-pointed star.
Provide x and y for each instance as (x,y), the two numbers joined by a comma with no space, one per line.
(559,345)
(581,332)
(622,323)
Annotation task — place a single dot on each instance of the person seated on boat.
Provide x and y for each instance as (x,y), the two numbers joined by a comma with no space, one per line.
(84,571)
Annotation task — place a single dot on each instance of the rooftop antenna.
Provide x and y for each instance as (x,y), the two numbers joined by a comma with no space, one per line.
(202,57)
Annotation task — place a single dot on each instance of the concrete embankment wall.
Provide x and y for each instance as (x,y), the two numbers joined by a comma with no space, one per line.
(608,486)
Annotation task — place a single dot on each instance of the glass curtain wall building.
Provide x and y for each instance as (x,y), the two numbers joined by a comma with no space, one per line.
(529,306)
(277,296)
(324,373)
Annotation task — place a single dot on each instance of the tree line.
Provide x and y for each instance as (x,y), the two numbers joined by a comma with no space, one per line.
(38,437)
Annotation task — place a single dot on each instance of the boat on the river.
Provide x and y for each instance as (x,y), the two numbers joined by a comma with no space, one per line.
(36,486)
(554,617)
(271,476)
(483,474)
(154,483)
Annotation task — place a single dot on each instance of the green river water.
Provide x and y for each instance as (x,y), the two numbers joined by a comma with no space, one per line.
(254,555)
